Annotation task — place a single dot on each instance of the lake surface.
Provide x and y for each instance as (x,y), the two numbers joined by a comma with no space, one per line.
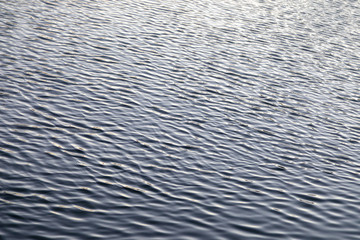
(206,119)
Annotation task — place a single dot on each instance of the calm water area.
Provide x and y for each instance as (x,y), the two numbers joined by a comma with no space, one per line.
(179,119)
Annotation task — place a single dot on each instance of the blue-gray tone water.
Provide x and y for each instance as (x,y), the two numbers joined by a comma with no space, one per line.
(170,119)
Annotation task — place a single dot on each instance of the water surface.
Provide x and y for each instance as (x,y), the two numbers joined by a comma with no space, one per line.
(205,119)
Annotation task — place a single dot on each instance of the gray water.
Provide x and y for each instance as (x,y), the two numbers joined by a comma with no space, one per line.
(179,119)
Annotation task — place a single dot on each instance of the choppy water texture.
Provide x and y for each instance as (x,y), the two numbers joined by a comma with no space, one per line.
(201,119)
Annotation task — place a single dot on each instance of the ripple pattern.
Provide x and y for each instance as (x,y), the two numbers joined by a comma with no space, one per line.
(179,119)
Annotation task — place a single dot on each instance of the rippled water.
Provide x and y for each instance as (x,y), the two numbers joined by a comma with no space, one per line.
(206,119)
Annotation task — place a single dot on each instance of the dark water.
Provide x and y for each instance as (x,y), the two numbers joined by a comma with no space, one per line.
(208,119)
